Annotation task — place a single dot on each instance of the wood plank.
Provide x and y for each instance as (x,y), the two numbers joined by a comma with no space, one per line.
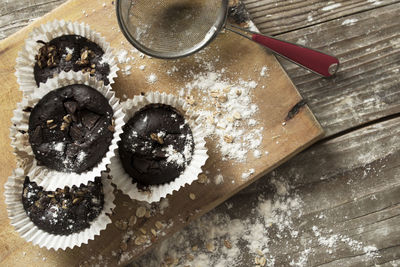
(325,169)
(366,87)
(349,190)
(17,14)
(276,99)
(276,17)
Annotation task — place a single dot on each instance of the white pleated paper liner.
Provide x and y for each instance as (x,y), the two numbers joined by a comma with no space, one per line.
(46,32)
(19,128)
(51,179)
(31,233)
(154,193)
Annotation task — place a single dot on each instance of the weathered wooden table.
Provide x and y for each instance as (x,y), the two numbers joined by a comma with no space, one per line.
(338,202)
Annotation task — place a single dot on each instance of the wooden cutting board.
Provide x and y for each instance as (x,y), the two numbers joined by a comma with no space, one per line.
(275,96)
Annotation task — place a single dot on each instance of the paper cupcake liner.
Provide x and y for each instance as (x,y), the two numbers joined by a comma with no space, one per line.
(51,179)
(46,32)
(19,128)
(31,233)
(155,192)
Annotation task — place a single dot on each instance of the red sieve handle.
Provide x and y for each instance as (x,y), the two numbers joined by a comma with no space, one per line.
(313,60)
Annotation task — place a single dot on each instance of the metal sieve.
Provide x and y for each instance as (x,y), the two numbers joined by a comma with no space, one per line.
(171,29)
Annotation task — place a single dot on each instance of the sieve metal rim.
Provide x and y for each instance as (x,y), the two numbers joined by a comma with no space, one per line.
(219,23)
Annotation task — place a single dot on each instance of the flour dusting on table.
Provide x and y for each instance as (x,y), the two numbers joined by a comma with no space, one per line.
(218,239)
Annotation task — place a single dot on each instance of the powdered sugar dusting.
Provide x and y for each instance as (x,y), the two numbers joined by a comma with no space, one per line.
(219,239)
(349,22)
(174,156)
(152,78)
(331,6)
(59,147)
(219,179)
(227,111)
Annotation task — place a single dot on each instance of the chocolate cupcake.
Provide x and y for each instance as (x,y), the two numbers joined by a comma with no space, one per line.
(156,145)
(59,219)
(60,46)
(70,52)
(64,211)
(71,128)
(162,147)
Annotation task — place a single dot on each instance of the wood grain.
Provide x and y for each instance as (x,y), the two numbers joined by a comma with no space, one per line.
(367,86)
(348,187)
(340,178)
(277,17)
(349,184)
(276,99)
(17,14)
(334,167)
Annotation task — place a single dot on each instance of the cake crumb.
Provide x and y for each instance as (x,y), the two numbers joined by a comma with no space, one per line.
(140,212)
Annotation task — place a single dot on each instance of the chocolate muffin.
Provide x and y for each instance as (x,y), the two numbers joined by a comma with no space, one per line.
(156,145)
(71,128)
(64,211)
(70,52)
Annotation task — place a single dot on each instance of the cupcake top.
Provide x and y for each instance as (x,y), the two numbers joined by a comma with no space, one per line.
(63,211)
(71,128)
(70,52)
(156,145)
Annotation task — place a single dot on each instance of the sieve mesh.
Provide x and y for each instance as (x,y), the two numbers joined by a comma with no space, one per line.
(171,28)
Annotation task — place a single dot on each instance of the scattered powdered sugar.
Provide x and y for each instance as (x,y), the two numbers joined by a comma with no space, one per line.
(126,70)
(81,157)
(122,56)
(375,2)
(177,157)
(247,174)
(263,72)
(257,154)
(331,6)
(219,179)
(349,22)
(174,156)
(227,111)
(59,147)
(225,105)
(219,239)
(69,50)
(152,78)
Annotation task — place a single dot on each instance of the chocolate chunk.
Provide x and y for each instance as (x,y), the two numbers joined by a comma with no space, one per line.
(89,119)
(156,145)
(58,212)
(75,132)
(70,52)
(71,107)
(65,121)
